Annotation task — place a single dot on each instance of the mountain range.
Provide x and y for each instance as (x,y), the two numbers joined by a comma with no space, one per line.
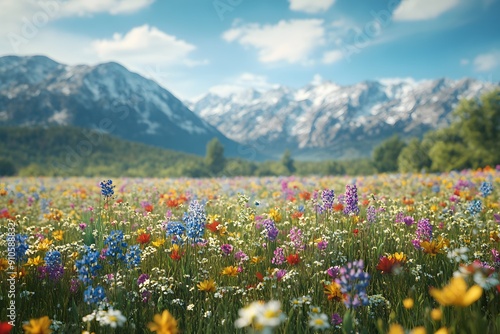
(326,119)
(316,122)
(37,91)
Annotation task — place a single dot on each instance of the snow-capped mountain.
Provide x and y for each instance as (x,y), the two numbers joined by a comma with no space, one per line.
(327,120)
(39,91)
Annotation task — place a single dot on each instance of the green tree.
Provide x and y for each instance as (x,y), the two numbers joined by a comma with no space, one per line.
(385,156)
(7,168)
(414,157)
(288,162)
(214,158)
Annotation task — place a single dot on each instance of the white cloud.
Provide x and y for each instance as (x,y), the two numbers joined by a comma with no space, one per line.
(87,7)
(310,6)
(290,41)
(487,61)
(464,62)
(332,56)
(145,45)
(419,10)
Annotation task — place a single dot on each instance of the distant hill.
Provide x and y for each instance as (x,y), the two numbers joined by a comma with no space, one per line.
(37,91)
(70,151)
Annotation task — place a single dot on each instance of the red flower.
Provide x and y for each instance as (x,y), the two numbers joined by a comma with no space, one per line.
(386,265)
(260,277)
(305,195)
(213,226)
(297,214)
(338,207)
(356,231)
(144,238)
(5,327)
(293,259)
(148,208)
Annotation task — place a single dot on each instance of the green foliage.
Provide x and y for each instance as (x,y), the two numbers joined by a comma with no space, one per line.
(385,156)
(214,159)
(414,157)
(288,162)
(7,168)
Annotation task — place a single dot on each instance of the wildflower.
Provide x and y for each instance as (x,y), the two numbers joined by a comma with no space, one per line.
(319,321)
(293,259)
(322,245)
(174,254)
(195,220)
(408,220)
(295,236)
(333,292)
(58,235)
(163,324)
(396,329)
(271,229)
(158,243)
(53,265)
(33,262)
(38,326)
(107,188)
(475,207)
(230,271)
(442,330)
(226,249)
(423,232)
(419,330)
(482,273)
(435,246)
(280,274)
(336,319)
(44,245)
(133,256)
(241,256)
(4,263)
(21,247)
(275,215)
(458,254)
(94,295)
(408,303)
(260,316)
(486,188)
(111,318)
(176,230)
(206,286)
(5,328)
(279,256)
(436,314)
(115,246)
(88,266)
(328,196)
(371,214)
(144,238)
(388,265)
(333,272)
(351,200)
(353,282)
(456,293)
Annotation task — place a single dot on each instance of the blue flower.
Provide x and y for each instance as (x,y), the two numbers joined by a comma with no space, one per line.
(353,282)
(21,247)
(475,207)
(133,256)
(88,266)
(107,188)
(195,220)
(175,230)
(115,246)
(486,188)
(93,295)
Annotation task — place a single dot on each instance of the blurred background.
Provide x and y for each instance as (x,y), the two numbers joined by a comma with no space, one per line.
(248,87)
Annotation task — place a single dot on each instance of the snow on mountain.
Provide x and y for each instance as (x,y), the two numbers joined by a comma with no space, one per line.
(39,91)
(328,120)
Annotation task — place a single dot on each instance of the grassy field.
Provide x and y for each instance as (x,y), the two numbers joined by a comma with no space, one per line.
(383,254)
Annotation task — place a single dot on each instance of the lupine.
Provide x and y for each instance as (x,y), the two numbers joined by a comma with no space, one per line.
(21,247)
(271,229)
(475,207)
(88,266)
(279,256)
(295,236)
(93,295)
(353,282)
(175,230)
(133,256)
(53,265)
(486,188)
(423,232)
(371,214)
(107,188)
(328,196)
(195,220)
(115,246)
(351,200)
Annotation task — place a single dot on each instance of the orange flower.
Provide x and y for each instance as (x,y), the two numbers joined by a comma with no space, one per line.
(213,226)
(174,255)
(144,238)
(38,326)
(434,247)
(230,271)
(332,290)
(293,259)
(164,324)
(305,195)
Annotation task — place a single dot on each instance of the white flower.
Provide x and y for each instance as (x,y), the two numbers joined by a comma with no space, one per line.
(112,318)
(190,307)
(459,254)
(319,321)
(271,315)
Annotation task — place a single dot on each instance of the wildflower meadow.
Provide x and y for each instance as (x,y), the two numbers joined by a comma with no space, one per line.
(399,253)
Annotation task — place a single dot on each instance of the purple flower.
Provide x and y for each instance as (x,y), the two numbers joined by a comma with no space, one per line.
(226,249)
(279,256)
(351,200)
(353,282)
(336,319)
(496,257)
(399,217)
(322,245)
(241,256)
(280,273)
(295,236)
(408,220)
(423,232)
(497,217)
(333,272)
(371,214)
(142,278)
(82,226)
(271,229)
(328,196)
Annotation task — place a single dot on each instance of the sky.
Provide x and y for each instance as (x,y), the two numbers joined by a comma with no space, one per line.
(191,47)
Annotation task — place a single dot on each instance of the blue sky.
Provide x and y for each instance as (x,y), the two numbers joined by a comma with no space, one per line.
(193,46)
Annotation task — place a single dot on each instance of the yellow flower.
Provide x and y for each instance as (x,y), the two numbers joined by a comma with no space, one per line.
(4,264)
(408,303)
(58,235)
(399,257)
(34,262)
(396,329)
(456,293)
(275,215)
(442,330)
(419,330)
(158,243)
(256,259)
(164,324)
(38,326)
(230,271)
(436,314)
(333,291)
(206,286)
(434,247)
(44,245)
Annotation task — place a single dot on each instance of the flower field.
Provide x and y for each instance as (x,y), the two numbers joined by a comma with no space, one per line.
(412,253)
